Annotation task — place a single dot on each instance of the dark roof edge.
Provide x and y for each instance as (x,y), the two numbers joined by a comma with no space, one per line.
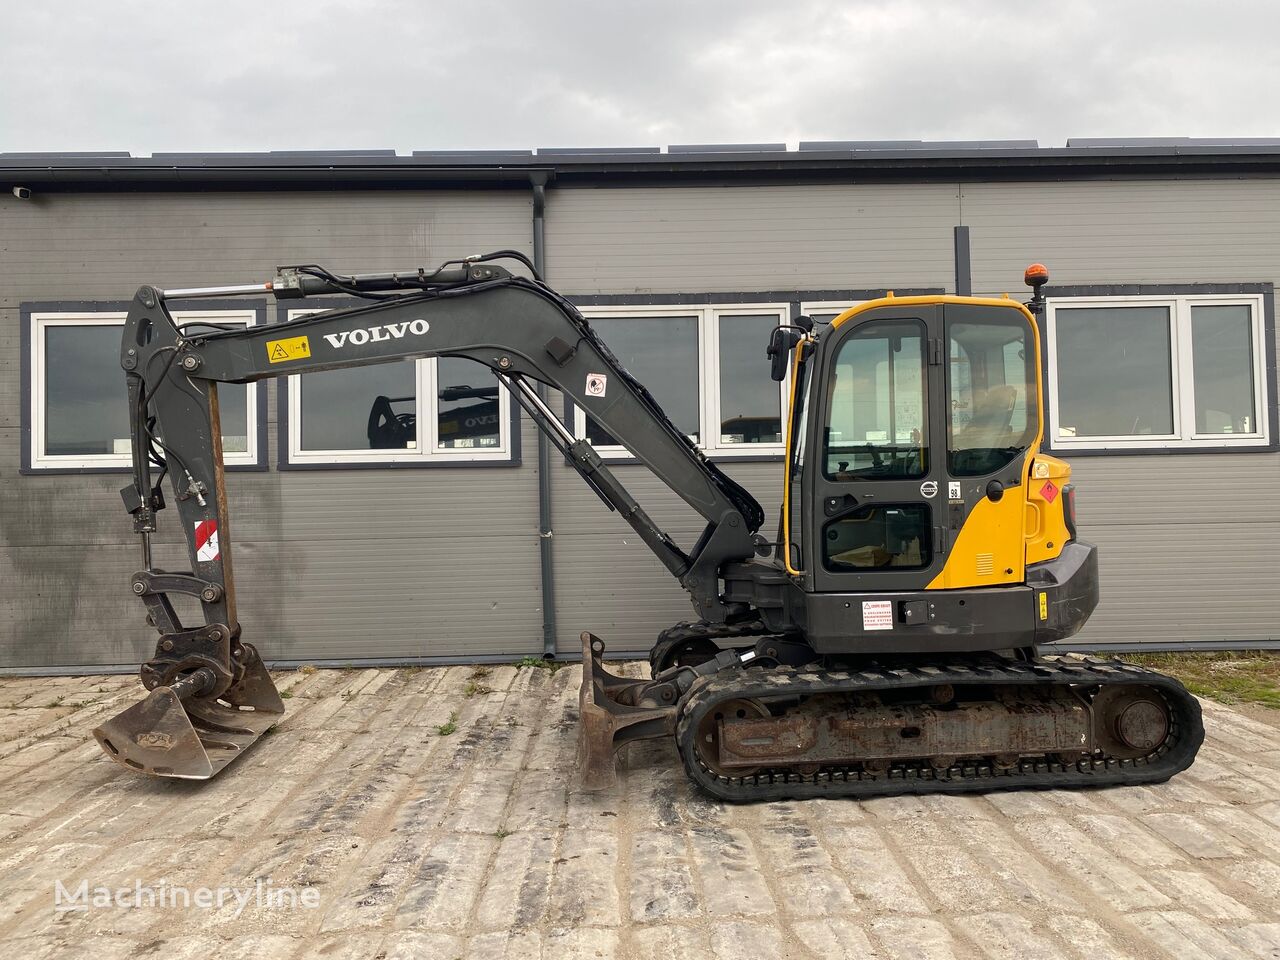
(300,170)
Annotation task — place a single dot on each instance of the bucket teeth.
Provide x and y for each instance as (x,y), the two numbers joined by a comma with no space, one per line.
(165,736)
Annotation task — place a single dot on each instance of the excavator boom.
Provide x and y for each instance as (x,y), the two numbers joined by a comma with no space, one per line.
(517,327)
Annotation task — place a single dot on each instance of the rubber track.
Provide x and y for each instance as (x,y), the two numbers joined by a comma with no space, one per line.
(1178,751)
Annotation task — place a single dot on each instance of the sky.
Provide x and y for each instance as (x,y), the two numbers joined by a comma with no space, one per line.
(145,76)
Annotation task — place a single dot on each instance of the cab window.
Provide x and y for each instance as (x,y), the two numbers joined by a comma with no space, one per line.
(881,537)
(877,427)
(993,412)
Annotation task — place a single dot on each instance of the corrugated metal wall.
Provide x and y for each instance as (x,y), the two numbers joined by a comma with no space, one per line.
(1189,545)
(722,240)
(444,561)
(330,563)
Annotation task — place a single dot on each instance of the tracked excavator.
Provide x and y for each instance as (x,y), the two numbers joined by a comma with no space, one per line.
(886,640)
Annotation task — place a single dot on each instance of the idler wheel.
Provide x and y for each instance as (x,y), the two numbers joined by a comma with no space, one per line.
(1130,722)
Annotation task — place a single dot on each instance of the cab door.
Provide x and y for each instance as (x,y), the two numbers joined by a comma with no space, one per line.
(993,429)
(876,516)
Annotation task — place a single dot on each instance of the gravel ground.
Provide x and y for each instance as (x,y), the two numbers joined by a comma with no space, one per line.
(421,842)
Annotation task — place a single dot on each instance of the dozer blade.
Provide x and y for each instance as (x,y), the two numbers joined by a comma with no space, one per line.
(607,719)
(173,733)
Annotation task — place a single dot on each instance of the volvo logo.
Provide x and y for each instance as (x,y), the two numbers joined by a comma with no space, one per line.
(387,331)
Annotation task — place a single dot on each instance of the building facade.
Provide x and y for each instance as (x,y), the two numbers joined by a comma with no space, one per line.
(405,512)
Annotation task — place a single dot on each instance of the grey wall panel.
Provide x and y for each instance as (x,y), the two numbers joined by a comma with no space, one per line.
(607,581)
(56,607)
(102,246)
(1123,231)
(1225,488)
(1186,582)
(680,239)
(330,564)
(1188,543)
(1187,547)
(438,597)
(613,586)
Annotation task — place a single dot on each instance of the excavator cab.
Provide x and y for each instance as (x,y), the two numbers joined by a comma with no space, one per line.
(923,418)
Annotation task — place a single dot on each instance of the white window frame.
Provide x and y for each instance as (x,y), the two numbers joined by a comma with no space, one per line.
(810,307)
(425,379)
(1182,374)
(707,317)
(43,320)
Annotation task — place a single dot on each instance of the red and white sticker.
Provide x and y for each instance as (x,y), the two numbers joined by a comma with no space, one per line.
(207,540)
(877,614)
(1049,491)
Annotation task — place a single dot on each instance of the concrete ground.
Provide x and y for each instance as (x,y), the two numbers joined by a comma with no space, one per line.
(423,840)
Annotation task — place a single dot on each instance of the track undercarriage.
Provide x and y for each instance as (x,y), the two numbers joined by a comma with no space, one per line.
(754,726)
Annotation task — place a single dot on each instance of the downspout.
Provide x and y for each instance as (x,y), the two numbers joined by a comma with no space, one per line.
(964,268)
(546,559)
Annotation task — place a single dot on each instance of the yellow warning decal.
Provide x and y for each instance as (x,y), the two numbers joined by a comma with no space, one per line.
(295,348)
(1044,606)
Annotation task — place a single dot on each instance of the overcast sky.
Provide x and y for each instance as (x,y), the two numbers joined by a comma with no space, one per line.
(150,76)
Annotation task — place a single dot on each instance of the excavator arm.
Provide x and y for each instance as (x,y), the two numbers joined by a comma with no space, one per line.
(210,695)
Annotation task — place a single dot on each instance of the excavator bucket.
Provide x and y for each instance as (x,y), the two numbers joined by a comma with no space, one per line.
(173,733)
(608,717)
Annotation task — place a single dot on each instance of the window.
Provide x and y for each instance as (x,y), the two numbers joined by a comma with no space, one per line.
(1156,371)
(706,366)
(748,409)
(876,422)
(896,536)
(992,385)
(372,414)
(662,353)
(79,409)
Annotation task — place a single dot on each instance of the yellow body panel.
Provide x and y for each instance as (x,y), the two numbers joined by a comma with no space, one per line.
(927,300)
(1046,527)
(989,550)
(786,460)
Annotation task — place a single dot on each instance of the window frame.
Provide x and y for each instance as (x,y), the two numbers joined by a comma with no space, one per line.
(708,318)
(1182,373)
(426,454)
(38,317)
(926,399)
(809,307)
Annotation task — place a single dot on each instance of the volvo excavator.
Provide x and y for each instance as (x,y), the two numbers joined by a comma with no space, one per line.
(885,641)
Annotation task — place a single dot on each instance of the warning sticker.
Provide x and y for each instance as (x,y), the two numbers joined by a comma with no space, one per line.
(877,614)
(1044,606)
(596,384)
(1049,491)
(207,540)
(295,348)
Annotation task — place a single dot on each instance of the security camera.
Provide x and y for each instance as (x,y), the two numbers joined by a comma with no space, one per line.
(22,193)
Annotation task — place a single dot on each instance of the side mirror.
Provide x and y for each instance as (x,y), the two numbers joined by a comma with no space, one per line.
(781,342)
